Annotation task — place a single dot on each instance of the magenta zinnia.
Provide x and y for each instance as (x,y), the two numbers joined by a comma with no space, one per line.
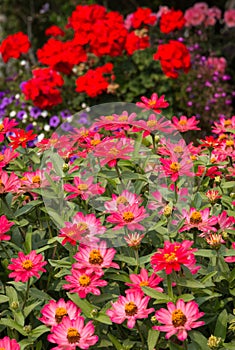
(5,226)
(200,220)
(141,280)
(179,319)
(26,266)
(131,307)
(9,344)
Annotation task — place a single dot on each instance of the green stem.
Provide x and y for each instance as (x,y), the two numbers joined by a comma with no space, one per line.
(169,286)
(119,175)
(140,334)
(137,258)
(185,345)
(26,294)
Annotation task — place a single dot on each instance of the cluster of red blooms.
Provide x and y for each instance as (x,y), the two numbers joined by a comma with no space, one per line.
(172,20)
(173,56)
(42,89)
(14,45)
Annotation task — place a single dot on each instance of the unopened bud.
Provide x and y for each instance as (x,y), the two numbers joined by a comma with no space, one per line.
(232,195)
(154,320)
(14,305)
(27,329)
(214,342)
(65,167)
(167,211)
(94,313)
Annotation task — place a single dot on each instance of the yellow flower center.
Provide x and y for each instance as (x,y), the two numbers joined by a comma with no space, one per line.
(82,187)
(170,257)
(178,149)
(27,265)
(24,178)
(122,200)
(60,312)
(22,138)
(151,102)
(227,122)
(178,318)
(1,127)
(73,335)
(1,157)
(131,309)
(109,117)
(84,280)
(114,151)
(144,283)
(95,257)
(151,123)
(229,143)
(2,349)
(82,226)
(128,216)
(36,179)
(175,166)
(183,122)
(123,118)
(95,142)
(195,218)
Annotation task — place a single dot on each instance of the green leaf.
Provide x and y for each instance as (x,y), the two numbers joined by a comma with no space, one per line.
(37,332)
(199,339)
(30,308)
(175,347)
(84,305)
(155,294)
(186,297)
(115,342)
(207,253)
(126,259)
(25,343)
(221,325)
(38,294)
(27,208)
(12,324)
(190,283)
(152,338)
(28,241)
(3,299)
(12,295)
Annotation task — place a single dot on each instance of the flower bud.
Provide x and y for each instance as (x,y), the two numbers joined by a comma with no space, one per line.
(94,313)
(14,305)
(214,342)
(27,329)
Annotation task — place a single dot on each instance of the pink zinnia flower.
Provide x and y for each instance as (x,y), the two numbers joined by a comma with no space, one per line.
(84,281)
(70,334)
(200,220)
(154,102)
(5,226)
(54,312)
(124,199)
(154,124)
(9,183)
(225,221)
(173,255)
(96,258)
(9,344)
(185,124)
(128,216)
(133,240)
(131,307)
(112,150)
(231,259)
(116,121)
(83,228)
(26,266)
(223,125)
(174,168)
(7,125)
(142,279)
(83,188)
(6,157)
(179,319)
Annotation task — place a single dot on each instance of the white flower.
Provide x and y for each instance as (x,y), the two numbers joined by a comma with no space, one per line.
(44,114)
(47,127)
(12,113)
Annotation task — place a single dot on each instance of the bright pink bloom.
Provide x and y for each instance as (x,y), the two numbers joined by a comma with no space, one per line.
(84,281)
(6,157)
(231,259)
(5,226)
(131,307)
(185,124)
(133,240)
(26,266)
(83,228)
(223,125)
(179,319)
(70,334)
(9,183)
(194,16)
(124,199)
(154,124)
(96,258)
(21,137)
(225,222)
(173,255)
(128,216)
(154,102)
(9,344)
(141,280)
(200,220)
(54,312)
(175,168)
(229,18)
(83,188)
(217,63)
(7,125)
(114,149)
(115,121)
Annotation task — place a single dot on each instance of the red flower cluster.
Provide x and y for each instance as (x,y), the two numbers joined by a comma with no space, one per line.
(62,56)
(94,82)
(42,89)
(54,31)
(143,17)
(173,57)
(14,45)
(136,40)
(171,21)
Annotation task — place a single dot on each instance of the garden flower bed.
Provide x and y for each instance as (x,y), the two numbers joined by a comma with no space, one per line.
(117,231)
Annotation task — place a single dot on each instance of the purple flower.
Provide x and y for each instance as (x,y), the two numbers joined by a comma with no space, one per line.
(35,112)
(22,85)
(54,121)
(65,114)
(66,127)
(29,127)
(2,94)
(189,103)
(20,114)
(208,84)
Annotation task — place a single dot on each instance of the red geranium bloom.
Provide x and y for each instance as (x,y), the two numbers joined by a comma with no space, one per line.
(173,57)
(21,138)
(54,31)
(172,20)
(5,226)
(154,102)
(26,266)
(136,40)
(14,45)
(173,255)
(143,17)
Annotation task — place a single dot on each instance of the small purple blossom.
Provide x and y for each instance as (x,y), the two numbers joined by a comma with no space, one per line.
(54,121)
(21,114)
(35,112)
(65,114)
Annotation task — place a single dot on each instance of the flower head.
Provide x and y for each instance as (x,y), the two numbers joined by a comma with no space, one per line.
(200,220)
(179,319)
(5,226)
(131,307)
(142,279)
(26,266)
(154,102)
(9,344)
(184,124)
